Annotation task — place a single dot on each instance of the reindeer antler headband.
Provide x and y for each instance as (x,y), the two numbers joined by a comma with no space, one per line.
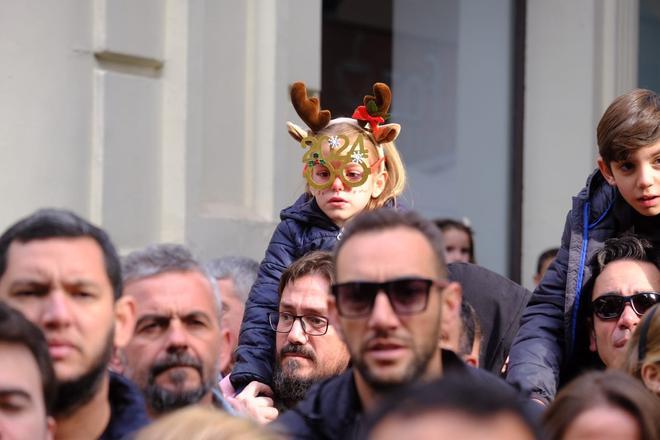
(348,162)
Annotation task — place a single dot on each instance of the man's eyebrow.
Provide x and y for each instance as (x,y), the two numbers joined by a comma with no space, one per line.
(152,317)
(286,305)
(11,392)
(196,314)
(28,282)
(319,311)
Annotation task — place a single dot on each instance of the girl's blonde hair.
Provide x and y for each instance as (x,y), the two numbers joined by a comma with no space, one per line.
(633,364)
(198,422)
(396,173)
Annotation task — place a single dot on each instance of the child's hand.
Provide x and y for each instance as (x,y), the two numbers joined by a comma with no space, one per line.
(255,402)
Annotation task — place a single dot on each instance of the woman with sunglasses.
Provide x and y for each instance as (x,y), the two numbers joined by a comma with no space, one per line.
(643,356)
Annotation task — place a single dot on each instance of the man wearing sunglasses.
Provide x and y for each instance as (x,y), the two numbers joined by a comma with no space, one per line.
(626,284)
(389,298)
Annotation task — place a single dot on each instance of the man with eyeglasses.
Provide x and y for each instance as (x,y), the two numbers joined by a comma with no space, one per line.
(307,346)
(390,296)
(625,284)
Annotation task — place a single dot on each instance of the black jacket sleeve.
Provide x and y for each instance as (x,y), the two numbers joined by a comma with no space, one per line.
(536,355)
(256,343)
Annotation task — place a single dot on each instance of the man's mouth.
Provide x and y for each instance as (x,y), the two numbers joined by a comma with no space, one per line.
(648,200)
(60,348)
(620,343)
(385,350)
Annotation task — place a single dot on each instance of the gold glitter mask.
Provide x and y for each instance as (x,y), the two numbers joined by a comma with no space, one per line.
(347,161)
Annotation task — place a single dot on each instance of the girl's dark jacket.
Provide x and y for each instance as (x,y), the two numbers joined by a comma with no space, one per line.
(304,228)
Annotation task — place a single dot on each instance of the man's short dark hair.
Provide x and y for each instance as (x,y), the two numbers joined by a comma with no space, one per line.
(481,399)
(545,255)
(626,247)
(60,223)
(312,263)
(18,330)
(385,218)
(470,328)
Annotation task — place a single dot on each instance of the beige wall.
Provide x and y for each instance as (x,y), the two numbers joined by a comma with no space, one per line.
(161,120)
(164,119)
(579,56)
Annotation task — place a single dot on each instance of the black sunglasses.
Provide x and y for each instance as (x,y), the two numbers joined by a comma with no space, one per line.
(407,296)
(610,306)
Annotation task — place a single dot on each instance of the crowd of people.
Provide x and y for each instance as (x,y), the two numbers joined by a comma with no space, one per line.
(364,319)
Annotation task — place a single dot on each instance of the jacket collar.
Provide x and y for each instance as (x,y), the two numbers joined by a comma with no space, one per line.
(127,408)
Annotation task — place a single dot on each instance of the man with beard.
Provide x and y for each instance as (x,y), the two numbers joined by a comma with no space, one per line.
(307,347)
(174,353)
(63,274)
(389,298)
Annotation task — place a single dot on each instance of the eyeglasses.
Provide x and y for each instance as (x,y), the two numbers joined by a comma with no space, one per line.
(312,325)
(610,306)
(406,295)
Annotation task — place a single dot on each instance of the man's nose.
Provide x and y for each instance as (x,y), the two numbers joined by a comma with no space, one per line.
(297,335)
(628,319)
(177,337)
(56,310)
(383,315)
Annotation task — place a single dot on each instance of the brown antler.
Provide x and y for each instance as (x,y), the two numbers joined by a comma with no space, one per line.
(308,109)
(383,100)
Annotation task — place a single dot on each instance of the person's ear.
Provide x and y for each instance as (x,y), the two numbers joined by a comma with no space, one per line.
(124,320)
(651,377)
(606,171)
(333,317)
(452,296)
(379,184)
(226,348)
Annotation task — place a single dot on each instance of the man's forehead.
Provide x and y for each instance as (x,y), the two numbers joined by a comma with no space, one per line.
(18,367)
(174,292)
(307,292)
(387,253)
(627,277)
(66,256)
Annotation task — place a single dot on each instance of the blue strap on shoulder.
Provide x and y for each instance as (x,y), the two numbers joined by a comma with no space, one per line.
(586,227)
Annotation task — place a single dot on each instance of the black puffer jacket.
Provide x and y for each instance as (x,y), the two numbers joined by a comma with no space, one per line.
(304,228)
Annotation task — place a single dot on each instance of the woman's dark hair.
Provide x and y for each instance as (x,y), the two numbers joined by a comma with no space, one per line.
(603,388)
